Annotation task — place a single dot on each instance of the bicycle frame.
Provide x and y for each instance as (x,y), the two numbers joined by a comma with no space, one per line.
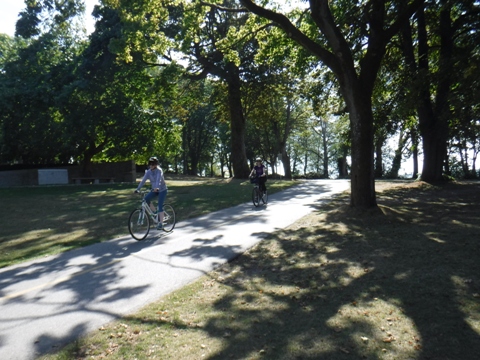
(258,195)
(146,208)
(140,219)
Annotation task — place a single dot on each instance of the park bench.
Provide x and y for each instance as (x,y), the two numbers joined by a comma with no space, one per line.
(92,180)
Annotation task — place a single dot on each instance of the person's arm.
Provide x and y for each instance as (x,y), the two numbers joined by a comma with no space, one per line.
(144,179)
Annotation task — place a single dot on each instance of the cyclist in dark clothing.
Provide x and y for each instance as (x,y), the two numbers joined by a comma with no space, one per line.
(260,172)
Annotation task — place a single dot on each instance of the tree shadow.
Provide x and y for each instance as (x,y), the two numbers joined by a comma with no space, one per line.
(399,283)
(69,286)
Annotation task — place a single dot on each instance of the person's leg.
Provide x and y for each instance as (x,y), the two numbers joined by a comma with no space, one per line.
(161,200)
(262,184)
(150,196)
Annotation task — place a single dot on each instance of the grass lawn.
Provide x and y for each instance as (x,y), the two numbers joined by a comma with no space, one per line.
(401,282)
(44,220)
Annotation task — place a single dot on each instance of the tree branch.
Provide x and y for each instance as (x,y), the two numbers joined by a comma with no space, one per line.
(294,33)
(223,8)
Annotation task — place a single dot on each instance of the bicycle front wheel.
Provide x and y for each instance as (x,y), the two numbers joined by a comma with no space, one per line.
(139,224)
(256,197)
(168,218)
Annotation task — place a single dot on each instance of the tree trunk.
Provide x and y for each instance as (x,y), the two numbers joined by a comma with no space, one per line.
(397,159)
(88,155)
(434,151)
(433,121)
(357,95)
(286,164)
(325,150)
(362,171)
(229,165)
(342,167)
(414,138)
(379,157)
(237,125)
(305,163)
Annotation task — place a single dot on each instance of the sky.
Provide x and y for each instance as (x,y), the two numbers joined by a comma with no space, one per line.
(9,10)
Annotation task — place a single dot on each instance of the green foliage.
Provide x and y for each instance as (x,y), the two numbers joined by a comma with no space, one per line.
(32,125)
(122,93)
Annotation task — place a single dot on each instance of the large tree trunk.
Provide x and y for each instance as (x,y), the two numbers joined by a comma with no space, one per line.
(432,118)
(434,137)
(362,170)
(237,125)
(357,93)
(434,121)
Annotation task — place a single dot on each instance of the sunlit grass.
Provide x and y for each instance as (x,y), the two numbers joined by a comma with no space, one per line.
(45,220)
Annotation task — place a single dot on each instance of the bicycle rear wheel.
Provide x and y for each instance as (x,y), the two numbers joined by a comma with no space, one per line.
(256,196)
(168,218)
(139,224)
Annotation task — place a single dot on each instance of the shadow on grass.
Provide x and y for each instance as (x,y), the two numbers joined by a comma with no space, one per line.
(400,284)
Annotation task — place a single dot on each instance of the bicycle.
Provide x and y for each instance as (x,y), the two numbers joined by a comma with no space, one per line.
(257,195)
(140,219)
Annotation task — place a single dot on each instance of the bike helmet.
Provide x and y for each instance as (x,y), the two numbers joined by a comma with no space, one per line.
(258,159)
(153,161)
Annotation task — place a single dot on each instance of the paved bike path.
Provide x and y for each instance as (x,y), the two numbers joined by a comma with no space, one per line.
(49,302)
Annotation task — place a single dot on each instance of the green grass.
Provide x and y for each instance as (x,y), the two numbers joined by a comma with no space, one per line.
(401,282)
(45,220)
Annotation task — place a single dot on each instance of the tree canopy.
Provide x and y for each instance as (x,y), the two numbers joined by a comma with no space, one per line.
(316,88)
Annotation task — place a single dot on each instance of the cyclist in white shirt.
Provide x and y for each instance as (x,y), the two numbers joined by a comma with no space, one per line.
(159,187)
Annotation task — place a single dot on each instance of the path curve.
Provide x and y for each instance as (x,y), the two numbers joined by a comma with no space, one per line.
(48,303)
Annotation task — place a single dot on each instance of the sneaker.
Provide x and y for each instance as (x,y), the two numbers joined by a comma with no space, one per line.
(159,227)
